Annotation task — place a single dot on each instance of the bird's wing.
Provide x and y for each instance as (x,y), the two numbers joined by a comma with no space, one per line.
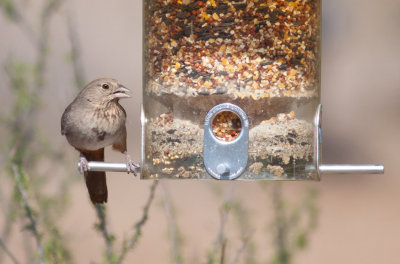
(64,120)
(120,143)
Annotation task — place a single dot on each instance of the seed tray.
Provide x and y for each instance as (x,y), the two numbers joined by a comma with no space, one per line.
(277,147)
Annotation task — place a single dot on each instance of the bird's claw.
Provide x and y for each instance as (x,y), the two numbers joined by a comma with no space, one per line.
(131,166)
(83,165)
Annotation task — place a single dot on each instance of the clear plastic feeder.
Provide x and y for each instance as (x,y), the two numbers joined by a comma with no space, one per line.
(231,89)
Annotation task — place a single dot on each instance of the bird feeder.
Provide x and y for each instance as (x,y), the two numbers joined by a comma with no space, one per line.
(231,90)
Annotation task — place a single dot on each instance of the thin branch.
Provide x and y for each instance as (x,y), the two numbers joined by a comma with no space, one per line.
(223,219)
(25,130)
(27,28)
(138,226)
(306,210)
(42,37)
(28,212)
(8,252)
(10,213)
(173,232)
(9,221)
(281,225)
(51,6)
(102,227)
(30,252)
(240,251)
(79,74)
(18,18)
(223,249)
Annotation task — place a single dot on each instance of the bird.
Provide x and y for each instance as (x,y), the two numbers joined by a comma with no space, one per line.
(93,121)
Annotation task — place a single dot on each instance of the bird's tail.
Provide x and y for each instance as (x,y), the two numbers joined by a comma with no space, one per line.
(96,180)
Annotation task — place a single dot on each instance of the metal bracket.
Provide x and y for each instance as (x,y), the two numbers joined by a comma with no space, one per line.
(143,122)
(225,160)
(337,168)
(318,139)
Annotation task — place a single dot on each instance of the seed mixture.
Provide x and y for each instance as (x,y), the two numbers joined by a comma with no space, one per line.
(226,126)
(243,48)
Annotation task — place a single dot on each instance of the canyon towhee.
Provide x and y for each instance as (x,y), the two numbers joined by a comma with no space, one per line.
(94,120)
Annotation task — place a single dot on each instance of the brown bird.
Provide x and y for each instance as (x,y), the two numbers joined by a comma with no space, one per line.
(94,120)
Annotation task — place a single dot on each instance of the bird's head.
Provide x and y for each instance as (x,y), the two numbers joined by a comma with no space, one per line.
(104,90)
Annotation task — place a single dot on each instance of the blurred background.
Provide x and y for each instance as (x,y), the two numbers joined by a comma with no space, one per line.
(50,48)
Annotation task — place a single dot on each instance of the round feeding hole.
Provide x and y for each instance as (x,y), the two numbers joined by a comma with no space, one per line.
(226,126)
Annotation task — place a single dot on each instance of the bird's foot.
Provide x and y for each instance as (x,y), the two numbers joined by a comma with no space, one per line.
(131,167)
(83,164)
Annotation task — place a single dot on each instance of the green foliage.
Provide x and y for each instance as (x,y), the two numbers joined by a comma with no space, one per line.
(8,8)
(18,123)
(290,227)
(292,224)
(28,202)
(54,250)
(281,257)
(301,240)
(109,256)
(176,238)
(243,223)
(18,73)
(22,138)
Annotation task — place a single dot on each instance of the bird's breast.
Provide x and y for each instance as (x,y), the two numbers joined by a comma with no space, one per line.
(99,128)
(108,120)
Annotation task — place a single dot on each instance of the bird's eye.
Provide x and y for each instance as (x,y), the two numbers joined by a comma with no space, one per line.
(105,86)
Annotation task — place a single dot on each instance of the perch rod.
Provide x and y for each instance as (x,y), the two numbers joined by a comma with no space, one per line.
(323,168)
(351,169)
(107,166)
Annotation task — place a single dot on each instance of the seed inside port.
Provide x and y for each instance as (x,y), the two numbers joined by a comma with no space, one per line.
(226,126)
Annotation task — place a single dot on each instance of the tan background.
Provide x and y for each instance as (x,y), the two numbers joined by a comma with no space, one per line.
(359,215)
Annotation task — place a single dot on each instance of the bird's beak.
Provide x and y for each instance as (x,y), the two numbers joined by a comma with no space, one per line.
(121,92)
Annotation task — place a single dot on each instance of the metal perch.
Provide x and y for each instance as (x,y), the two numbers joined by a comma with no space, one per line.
(323,168)
(108,166)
